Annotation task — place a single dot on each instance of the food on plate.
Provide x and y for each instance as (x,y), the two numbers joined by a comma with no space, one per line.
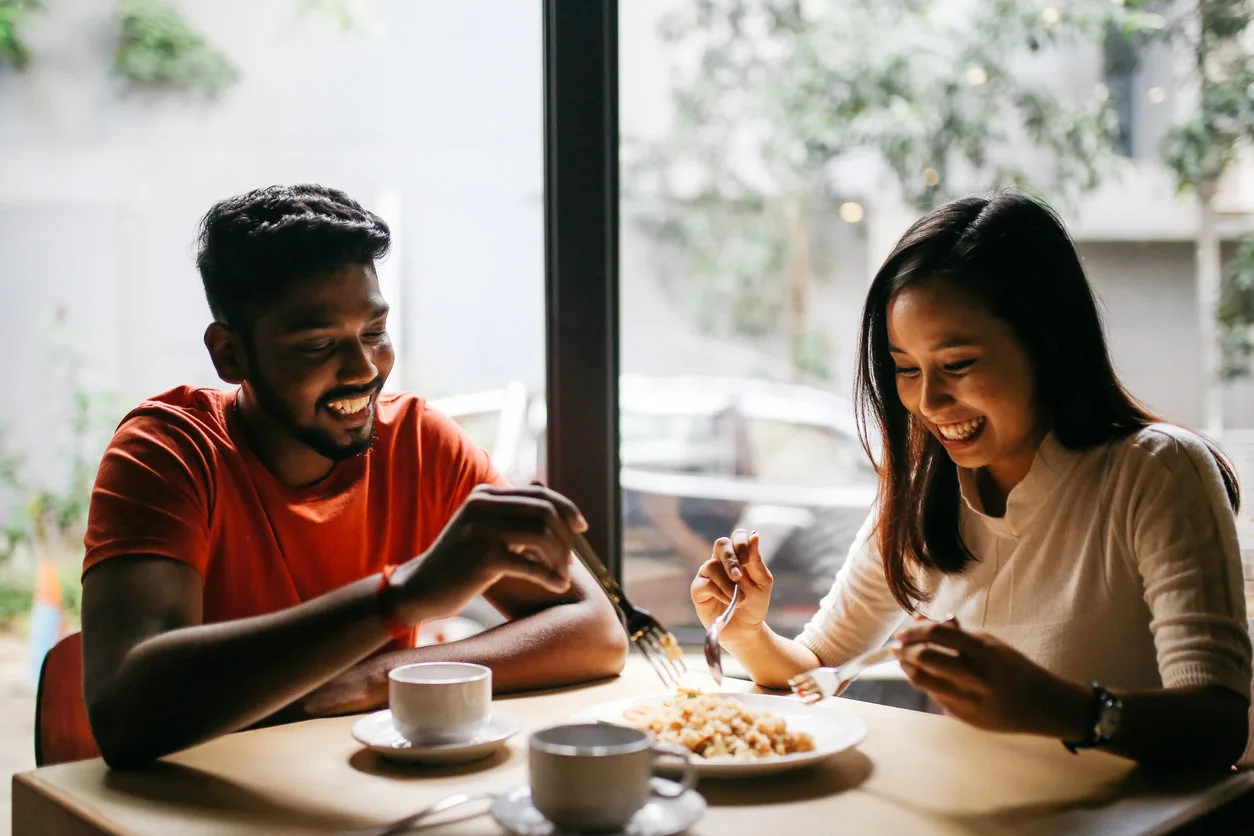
(711,727)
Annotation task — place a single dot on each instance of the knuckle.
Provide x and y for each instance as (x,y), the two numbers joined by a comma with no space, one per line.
(552,517)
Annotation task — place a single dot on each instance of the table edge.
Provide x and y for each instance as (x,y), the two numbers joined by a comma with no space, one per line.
(1227,792)
(89,816)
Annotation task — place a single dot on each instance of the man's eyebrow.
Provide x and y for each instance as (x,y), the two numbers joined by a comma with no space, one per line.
(317,319)
(312,320)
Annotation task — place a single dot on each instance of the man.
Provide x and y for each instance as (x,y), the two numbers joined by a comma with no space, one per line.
(248,550)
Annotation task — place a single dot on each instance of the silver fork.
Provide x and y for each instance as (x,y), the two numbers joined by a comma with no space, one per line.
(714,650)
(821,683)
(655,642)
(401,825)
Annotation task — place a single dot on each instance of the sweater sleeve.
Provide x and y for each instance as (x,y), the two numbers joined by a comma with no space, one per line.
(1182,535)
(859,612)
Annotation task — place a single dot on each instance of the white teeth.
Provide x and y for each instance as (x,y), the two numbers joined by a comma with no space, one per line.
(958,432)
(349,406)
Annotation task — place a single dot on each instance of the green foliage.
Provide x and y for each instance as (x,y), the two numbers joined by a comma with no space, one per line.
(15,601)
(810,352)
(159,48)
(1236,310)
(344,16)
(1200,149)
(17,592)
(48,518)
(781,100)
(12,14)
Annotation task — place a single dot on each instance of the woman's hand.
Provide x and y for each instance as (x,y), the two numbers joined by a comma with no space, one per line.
(735,560)
(987,683)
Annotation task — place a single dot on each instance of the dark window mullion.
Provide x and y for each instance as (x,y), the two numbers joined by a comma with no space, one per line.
(581,261)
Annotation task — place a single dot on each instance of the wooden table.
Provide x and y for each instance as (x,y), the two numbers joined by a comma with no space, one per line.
(915,773)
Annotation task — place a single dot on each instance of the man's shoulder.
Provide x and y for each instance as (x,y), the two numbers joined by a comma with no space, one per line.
(411,415)
(407,424)
(195,413)
(398,407)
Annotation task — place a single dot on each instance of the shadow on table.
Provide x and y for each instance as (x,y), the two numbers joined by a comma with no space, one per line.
(186,788)
(1146,801)
(364,760)
(831,777)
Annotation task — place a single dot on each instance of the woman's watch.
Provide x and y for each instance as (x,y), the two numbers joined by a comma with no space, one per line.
(1107,716)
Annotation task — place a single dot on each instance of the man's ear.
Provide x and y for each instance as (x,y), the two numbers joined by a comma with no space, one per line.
(227,353)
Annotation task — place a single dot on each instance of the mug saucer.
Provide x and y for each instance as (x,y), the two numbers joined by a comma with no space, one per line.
(658,817)
(378,733)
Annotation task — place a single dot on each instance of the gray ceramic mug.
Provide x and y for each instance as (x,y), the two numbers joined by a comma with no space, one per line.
(594,777)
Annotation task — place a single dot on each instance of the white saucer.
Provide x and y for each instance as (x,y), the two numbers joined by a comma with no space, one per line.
(377,732)
(658,817)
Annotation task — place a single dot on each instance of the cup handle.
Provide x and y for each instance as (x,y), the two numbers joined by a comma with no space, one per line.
(669,751)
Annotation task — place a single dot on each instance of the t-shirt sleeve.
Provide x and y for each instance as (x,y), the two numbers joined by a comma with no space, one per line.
(859,613)
(453,464)
(152,494)
(1182,535)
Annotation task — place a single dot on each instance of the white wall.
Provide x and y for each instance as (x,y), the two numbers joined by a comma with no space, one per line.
(101,187)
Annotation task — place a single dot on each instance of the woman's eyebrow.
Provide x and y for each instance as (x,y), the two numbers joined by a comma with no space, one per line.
(950,342)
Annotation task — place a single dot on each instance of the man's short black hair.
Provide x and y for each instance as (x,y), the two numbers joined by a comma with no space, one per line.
(253,246)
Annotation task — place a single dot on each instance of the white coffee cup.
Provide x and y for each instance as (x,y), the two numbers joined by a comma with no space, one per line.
(594,777)
(436,703)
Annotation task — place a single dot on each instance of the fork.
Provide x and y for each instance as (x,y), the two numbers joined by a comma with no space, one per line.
(401,825)
(821,683)
(713,650)
(655,642)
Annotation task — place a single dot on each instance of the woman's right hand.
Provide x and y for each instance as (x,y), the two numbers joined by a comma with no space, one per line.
(735,560)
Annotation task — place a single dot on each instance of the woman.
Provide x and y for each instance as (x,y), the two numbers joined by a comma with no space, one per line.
(1086,552)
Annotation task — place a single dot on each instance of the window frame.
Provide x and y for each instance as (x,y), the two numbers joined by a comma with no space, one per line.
(581,218)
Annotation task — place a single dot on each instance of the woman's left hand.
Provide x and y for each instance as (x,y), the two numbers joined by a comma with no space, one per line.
(985,682)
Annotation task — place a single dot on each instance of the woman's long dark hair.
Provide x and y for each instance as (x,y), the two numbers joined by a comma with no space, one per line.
(1012,254)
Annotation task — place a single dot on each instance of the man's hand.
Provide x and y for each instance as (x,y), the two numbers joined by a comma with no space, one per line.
(498,532)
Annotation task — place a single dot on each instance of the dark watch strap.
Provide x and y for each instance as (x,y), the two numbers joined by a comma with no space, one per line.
(1103,720)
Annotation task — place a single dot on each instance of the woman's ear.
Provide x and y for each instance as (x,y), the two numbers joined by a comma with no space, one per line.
(226,353)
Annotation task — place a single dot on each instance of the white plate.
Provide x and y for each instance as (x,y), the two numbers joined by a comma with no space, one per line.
(658,817)
(833,731)
(377,732)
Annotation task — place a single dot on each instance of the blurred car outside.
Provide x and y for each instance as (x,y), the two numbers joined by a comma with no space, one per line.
(700,456)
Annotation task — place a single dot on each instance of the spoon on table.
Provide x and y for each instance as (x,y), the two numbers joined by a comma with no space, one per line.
(401,825)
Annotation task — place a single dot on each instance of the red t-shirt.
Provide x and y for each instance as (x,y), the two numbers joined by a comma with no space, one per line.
(179,480)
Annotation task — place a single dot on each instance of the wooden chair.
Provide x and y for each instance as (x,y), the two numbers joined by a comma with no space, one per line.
(62,731)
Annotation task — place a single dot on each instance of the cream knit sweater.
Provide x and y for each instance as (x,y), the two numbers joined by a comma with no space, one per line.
(1118,564)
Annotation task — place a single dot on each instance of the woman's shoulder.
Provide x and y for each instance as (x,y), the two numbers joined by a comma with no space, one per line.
(1156,448)
(1164,442)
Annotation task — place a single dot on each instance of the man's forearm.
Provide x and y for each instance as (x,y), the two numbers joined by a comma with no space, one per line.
(191,684)
(562,645)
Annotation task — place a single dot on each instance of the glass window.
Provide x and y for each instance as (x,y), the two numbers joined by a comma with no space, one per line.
(771,156)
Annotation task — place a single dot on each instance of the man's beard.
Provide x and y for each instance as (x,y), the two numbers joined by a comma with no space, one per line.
(315,439)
